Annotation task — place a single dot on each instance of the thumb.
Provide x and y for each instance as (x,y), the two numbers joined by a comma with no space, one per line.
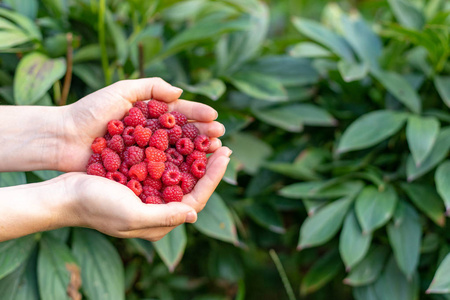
(166,215)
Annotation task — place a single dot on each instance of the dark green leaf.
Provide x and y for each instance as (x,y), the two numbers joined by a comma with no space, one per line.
(442,178)
(368,270)
(442,84)
(259,86)
(119,37)
(14,252)
(318,190)
(212,88)
(12,178)
(308,49)
(351,71)
(441,280)
(267,216)
(231,172)
(407,14)
(171,247)
(421,134)
(47,174)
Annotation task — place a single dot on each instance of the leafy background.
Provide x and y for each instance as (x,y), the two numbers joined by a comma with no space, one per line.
(338,117)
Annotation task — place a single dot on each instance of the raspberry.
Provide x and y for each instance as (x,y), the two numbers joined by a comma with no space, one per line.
(187,182)
(202,143)
(175,134)
(117,176)
(185,146)
(124,169)
(172,193)
(180,119)
(135,186)
(105,152)
(143,107)
(153,124)
(154,200)
(174,157)
(154,154)
(167,120)
(153,183)
(128,136)
(171,177)
(148,191)
(170,166)
(184,167)
(133,155)
(159,139)
(95,158)
(190,131)
(156,108)
(111,162)
(155,169)
(98,145)
(138,172)
(116,143)
(107,136)
(142,135)
(96,169)
(115,127)
(194,156)
(198,168)
(135,118)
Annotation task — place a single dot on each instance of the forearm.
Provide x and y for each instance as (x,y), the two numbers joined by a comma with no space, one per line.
(30,137)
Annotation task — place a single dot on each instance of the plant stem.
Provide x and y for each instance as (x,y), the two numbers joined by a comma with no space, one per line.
(282,272)
(102,41)
(68,77)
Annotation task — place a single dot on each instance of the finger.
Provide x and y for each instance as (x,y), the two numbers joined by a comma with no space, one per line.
(194,110)
(215,144)
(210,129)
(168,215)
(222,151)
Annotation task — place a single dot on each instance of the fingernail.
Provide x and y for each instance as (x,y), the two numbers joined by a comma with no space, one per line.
(191,217)
(217,115)
(224,130)
(230,152)
(177,90)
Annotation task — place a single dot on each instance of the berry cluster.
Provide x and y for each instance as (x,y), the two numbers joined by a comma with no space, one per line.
(155,153)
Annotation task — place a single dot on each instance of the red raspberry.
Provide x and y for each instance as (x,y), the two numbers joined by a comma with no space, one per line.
(171,177)
(194,156)
(202,143)
(159,139)
(95,158)
(117,177)
(190,131)
(198,168)
(149,191)
(157,108)
(185,146)
(184,167)
(124,169)
(105,152)
(138,172)
(153,124)
(154,154)
(133,155)
(170,166)
(111,162)
(142,135)
(155,169)
(154,200)
(153,183)
(174,157)
(128,136)
(175,134)
(98,145)
(107,136)
(143,107)
(172,193)
(180,119)
(96,169)
(135,186)
(115,127)
(167,120)
(187,182)
(116,143)
(135,118)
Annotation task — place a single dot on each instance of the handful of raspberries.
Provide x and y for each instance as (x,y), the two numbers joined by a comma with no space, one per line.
(155,153)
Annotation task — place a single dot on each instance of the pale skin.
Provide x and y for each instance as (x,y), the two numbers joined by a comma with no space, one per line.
(59,138)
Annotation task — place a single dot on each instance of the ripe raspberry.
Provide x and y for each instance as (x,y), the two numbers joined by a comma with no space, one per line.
(172,193)
(187,182)
(194,156)
(135,186)
(154,200)
(133,155)
(153,183)
(155,169)
(111,162)
(198,168)
(96,169)
(167,120)
(128,136)
(135,118)
(185,146)
(143,107)
(153,124)
(142,135)
(170,166)
(174,157)
(159,139)
(115,127)
(98,145)
(175,134)
(157,108)
(124,169)
(202,143)
(148,191)
(171,177)
(117,176)
(138,172)
(116,143)
(107,136)
(190,131)
(105,152)
(184,167)
(154,154)
(95,158)
(180,119)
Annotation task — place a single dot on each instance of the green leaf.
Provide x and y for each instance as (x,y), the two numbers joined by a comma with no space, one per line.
(56,264)
(351,71)
(87,53)
(374,208)
(369,269)
(35,74)
(11,38)
(421,133)
(442,178)
(171,247)
(353,244)
(267,216)
(405,236)
(323,225)
(366,292)
(407,14)
(31,29)
(441,281)
(13,286)
(27,285)
(259,86)
(319,190)
(231,173)
(310,50)
(212,88)
(216,221)
(442,84)
(101,267)
(14,252)
(12,178)
(370,129)
(47,174)
(119,38)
